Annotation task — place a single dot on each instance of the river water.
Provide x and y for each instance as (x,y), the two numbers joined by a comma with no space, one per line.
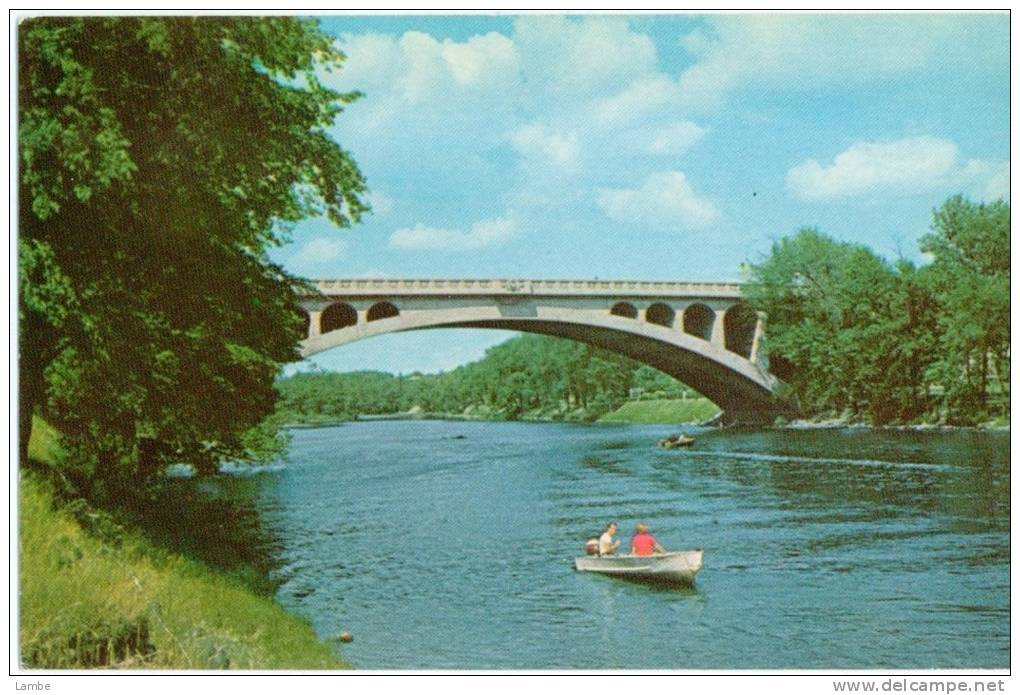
(449,545)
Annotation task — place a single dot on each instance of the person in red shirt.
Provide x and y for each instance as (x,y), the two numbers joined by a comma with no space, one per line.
(644,543)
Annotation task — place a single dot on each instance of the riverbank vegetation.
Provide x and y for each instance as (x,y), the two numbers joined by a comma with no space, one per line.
(856,336)
(95,593)
(526,378)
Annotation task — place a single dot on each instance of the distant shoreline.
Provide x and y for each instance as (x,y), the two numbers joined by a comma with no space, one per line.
(795,425)
(658,411)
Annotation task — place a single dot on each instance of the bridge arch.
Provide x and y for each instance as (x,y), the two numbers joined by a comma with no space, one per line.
(741,389)
(336,316)
(699,321)
(625,309)
(739,326)
(660,314)
(382,310)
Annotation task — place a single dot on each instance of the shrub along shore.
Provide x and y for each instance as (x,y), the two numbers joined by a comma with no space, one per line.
(95,594)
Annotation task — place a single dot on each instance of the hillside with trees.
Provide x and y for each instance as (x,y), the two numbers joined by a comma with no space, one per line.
(528,377)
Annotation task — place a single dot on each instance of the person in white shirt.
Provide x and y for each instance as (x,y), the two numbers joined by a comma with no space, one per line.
(607,546)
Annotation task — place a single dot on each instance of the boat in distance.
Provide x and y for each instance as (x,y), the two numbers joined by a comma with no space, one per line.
(675,441)
(666,568)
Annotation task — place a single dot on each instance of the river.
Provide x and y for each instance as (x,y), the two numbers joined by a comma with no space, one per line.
(449,545)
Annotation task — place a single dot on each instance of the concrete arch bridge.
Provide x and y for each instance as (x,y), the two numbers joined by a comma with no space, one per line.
(700,333)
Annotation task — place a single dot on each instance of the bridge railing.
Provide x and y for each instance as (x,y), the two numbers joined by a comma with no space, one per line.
(490,286)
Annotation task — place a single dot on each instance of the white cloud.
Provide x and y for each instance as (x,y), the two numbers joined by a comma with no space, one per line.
(481,235)
(423,94)
(798,51)
(537,142)
(419,67)
(644,95)
(911,163)
(665,199)
(986,180)
(480,57)
(547,59)
(566,56)
(674,138)
(318,251)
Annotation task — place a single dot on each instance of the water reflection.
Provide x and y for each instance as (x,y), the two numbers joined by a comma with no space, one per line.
(217,521)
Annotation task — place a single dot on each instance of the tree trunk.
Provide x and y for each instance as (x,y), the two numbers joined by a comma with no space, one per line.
(25,408)
(984,377)
(30,382)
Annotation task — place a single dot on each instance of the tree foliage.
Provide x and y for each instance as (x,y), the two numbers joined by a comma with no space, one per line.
(159,158)
(829,306)
(969,273)
(851,333)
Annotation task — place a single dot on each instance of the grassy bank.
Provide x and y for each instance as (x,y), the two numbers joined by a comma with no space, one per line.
(663,412)
(107,598)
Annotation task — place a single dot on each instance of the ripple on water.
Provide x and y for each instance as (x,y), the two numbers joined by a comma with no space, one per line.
(870,463)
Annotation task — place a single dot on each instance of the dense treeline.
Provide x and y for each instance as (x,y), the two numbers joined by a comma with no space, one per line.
(855,335)
(525,377)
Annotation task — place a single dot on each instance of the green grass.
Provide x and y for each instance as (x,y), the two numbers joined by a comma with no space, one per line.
(664,412)
(1002,421)
(44,444)
(121,602)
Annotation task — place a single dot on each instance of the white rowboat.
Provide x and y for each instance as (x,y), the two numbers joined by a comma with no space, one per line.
(672,568)
(675,441)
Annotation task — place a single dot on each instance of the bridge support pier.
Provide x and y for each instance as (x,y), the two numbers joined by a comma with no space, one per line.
(719,329)
(314,323)
(759,332)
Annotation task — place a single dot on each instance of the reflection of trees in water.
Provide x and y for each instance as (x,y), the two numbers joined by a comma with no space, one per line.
(821,485)
(922,497)
(216,521)
(965,476)
(962,474)
(608,465)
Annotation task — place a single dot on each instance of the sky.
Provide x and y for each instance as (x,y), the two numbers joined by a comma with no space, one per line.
(648,147)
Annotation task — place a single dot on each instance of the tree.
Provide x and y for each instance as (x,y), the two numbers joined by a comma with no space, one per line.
(836,315)
(916,326)
(969,275)
(159,159)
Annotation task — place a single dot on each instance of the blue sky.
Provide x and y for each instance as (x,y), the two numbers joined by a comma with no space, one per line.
(647,147)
